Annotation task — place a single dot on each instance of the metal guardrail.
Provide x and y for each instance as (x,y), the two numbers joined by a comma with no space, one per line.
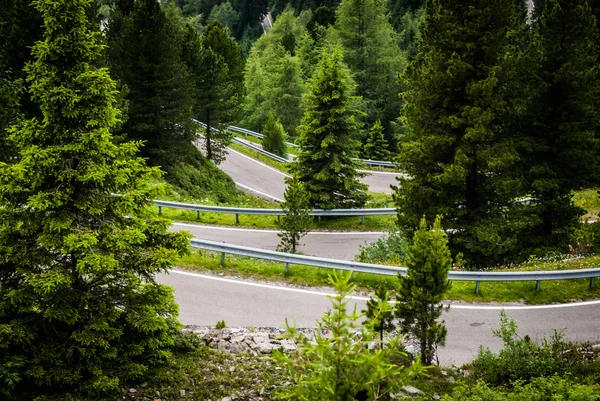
(378,163)
(272,212)
(290,258)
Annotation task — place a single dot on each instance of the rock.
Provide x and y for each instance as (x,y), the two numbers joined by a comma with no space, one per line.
(451,380)
(132,390)
(436,396)
(412,391)
(182,393)
(262,391)
(232,369)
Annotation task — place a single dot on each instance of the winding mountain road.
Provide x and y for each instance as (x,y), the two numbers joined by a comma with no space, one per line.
(253,176)
(334,245)
(204,300)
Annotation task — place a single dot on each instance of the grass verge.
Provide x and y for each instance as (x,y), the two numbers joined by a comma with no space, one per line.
(558,291)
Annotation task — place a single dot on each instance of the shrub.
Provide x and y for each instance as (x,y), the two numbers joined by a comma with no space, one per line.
(391,248)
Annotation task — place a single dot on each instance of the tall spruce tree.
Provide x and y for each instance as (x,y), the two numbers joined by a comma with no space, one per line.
(218,77)
(561,154)
(466,92)
(422,290)
(371,51)
(79,308)
(327,138)
(146,57)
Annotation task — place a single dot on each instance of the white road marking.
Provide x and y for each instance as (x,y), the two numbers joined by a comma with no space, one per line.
(357,298)
(258,192)
(381,172)
(253,230)
(257,162)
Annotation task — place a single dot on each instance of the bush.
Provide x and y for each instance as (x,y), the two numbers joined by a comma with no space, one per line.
(391,248)
(522,359)
(540,389)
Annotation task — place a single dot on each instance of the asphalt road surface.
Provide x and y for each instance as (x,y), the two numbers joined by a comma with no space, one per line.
(204,300)
(253,176)
(334,245)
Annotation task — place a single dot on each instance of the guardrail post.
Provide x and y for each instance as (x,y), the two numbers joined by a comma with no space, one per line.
(477,287)
(237,218)
(258,155)
(362,220)
(222,258)
(380,167)
(537,286)
(160,210)
(318,219)
(287,267)
(592,283)
(278,219)
(198,214)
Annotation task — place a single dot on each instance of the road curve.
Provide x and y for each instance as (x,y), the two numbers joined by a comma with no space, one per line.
(204,300)
(253,176)
(334,245)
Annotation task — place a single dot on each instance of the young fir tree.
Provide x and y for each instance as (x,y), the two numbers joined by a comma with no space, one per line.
(80,311)
(422,289)
(383,321)
(466,91)
(561,155)
(376,147)
(144,54)
(371,51)
(297,220)
(327,139)
(340,366)
(274,137)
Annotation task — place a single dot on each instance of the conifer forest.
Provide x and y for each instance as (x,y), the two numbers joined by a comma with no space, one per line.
(472,125)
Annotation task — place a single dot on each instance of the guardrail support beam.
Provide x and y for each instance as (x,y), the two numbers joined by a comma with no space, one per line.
(318,219)
(160,210)
(198,214)
(362,220)
(278,219)
(477,283)
(537,286)
(222,258)
(287,267)
(237,218)
(592,283)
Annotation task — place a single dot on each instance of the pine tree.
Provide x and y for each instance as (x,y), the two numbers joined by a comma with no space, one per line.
(225,15)
(327,141)
(274,137)
(422,289)
(340,366)
(383,321)
(371,51)
(376,146)
(466,92)
(218,81)
(146,57)
(297,220)
(561,155)
(79,307)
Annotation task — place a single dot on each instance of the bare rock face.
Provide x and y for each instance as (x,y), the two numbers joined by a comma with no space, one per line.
(238,340)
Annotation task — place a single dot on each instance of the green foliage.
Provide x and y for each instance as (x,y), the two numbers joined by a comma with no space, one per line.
(220,325)
(391,248)
(80,312)
(522,359)
(297,220)
(340,366)
(561,144)
(197,177)
(216,70)
(10,92)
(540,389)
(274,137)
(422,289)
(370,47)
(376,147)
(144,54)
(327,139)
(225,15)
(273,80)
(383,321)
(466,92)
